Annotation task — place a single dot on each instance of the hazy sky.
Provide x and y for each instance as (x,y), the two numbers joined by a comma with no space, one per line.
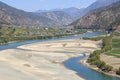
(34,5)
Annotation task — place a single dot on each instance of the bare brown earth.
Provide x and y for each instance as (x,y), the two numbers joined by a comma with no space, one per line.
(111,60)
(43,60)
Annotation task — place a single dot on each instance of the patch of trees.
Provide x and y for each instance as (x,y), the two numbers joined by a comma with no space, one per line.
(3,40)
(9,33)
(94,58)
(107,44)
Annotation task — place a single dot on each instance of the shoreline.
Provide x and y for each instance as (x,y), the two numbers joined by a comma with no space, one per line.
(34,61)
(84,62)
(9,42)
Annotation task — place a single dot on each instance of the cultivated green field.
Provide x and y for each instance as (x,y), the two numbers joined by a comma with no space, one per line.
(115,48)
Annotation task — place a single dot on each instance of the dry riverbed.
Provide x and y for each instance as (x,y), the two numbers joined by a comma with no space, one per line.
(43,60)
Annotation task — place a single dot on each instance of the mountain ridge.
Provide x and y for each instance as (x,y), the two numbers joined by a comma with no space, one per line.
(97,4)
(105,18)
(12,16)
(77,13)
(58,16)
(72,11)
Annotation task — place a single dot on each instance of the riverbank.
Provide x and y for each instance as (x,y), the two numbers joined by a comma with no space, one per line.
(101,62)
(93,67)
(43,60)
(10,34)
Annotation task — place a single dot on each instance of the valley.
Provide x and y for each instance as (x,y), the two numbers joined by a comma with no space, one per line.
(42,41)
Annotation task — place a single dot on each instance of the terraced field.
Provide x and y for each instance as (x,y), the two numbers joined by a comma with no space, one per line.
(115,47)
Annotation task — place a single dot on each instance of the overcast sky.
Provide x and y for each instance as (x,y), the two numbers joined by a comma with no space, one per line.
(34,5)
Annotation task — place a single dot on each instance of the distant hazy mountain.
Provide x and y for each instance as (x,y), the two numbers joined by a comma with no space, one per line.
(59,17)
(72,11)
(106,18)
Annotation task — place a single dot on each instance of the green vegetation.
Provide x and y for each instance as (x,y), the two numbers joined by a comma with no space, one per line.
(95,38)
(115,47)
(115,43)
(8,33)
(117,34)
(94,58)
(107,44)
(111,46)
(115,53)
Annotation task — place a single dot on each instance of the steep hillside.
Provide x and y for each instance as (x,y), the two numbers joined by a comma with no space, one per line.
(57,17)
(103,18)
(98,4)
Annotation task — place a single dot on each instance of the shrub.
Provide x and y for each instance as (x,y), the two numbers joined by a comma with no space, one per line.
(107,68)
(94,59)
(101,64)
(118,71)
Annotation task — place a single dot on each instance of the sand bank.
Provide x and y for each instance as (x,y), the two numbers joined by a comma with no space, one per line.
(42,60)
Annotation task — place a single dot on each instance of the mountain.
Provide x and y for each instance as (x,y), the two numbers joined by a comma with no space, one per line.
(12,16)
(101,3)
(46,18)
(76,13)
(97,4)
(72,11)
(59,17)
(106,18)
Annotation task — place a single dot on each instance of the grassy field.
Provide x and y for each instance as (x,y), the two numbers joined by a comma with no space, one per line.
(115,48)
(94,38)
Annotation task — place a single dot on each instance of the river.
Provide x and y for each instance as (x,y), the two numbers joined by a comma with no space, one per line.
(72,63)
(15,44)
(84,71)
